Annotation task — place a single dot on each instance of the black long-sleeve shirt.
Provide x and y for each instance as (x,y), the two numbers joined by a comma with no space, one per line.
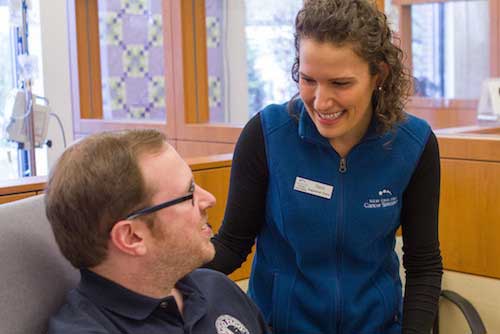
(244,217)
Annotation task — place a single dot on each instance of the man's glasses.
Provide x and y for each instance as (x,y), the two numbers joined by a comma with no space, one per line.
(147,211)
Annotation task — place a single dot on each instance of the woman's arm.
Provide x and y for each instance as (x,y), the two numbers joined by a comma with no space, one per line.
(245,208)
(421,255)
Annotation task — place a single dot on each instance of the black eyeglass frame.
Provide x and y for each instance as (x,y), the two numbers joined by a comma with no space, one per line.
(147,211)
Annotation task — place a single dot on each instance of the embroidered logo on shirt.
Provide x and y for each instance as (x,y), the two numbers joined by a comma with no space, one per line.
(226,324)
(386,199)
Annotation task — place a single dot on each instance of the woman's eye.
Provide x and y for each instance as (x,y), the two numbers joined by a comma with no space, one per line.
(340,83)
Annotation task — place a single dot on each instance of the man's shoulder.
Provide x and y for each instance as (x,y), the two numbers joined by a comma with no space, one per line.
(76,316)
(206,276)
(227,301)
(214,284)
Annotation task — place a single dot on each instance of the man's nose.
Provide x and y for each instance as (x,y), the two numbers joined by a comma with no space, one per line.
(206,199)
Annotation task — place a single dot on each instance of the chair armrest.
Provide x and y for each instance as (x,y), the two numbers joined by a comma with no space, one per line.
(469,312)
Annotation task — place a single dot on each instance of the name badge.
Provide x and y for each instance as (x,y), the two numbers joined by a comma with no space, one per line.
(313,188)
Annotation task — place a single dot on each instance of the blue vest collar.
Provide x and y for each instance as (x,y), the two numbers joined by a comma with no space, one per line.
(309,132)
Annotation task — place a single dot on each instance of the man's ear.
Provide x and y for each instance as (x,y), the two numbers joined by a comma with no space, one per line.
(129,237)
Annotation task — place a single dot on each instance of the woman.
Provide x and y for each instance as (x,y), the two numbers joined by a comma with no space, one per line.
(324,181)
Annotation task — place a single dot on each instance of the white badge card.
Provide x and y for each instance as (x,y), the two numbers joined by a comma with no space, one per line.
(313,188)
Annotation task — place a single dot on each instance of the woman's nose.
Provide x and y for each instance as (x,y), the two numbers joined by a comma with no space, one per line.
(322,99)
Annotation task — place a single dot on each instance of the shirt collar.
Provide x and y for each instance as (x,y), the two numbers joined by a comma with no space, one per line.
(125,302)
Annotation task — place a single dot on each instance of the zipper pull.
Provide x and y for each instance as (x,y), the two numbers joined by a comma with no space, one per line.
(343,165)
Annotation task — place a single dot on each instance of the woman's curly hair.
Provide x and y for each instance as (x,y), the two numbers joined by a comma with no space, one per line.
(360,24)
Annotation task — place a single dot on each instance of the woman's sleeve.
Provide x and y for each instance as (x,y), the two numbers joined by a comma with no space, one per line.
(245,208)
(421,255)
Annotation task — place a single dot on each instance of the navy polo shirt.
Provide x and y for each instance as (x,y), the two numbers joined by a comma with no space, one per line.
(212,304)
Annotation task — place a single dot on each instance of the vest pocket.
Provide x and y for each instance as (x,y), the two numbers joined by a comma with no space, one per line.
(388,289)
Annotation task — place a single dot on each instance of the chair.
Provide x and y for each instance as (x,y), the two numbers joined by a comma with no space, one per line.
(35,277)
(474,321)
(473,318)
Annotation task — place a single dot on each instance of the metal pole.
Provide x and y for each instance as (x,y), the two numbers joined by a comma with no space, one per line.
(30,122)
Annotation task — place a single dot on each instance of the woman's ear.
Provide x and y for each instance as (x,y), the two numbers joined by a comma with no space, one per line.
(128,236)
(383,73)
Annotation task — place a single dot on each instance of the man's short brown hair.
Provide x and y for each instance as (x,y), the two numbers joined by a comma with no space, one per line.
(95,183)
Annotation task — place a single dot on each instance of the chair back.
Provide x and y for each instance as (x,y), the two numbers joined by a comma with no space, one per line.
(34,276)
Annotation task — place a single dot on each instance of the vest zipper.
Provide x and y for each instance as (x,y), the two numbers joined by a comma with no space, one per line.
(343,166)
(338,246)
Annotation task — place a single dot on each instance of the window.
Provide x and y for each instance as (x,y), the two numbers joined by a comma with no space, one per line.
(12,160)
(223,60)
(131,58)
(8,152)
(117,78)
(197,76)
(452,46)
(250,52)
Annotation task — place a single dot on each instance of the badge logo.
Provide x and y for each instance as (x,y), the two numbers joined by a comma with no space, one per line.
(226,324)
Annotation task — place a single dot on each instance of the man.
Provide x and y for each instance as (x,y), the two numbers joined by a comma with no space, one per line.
(125,210)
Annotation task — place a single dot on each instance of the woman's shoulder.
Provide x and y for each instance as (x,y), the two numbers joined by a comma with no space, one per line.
(275,107)
(276,115)
(415,128)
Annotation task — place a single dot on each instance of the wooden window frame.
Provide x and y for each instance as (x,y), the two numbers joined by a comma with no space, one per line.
(186,64)
(87,25)
(441,111)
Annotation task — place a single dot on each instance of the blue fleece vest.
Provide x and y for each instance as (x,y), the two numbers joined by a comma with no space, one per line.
(327,265)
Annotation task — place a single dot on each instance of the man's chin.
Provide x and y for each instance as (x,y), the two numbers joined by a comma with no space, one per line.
(210,254)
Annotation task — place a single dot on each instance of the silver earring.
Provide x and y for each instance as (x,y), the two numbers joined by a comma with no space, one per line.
(380,88)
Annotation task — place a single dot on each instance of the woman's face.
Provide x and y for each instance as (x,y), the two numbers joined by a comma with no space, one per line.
(336,87)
